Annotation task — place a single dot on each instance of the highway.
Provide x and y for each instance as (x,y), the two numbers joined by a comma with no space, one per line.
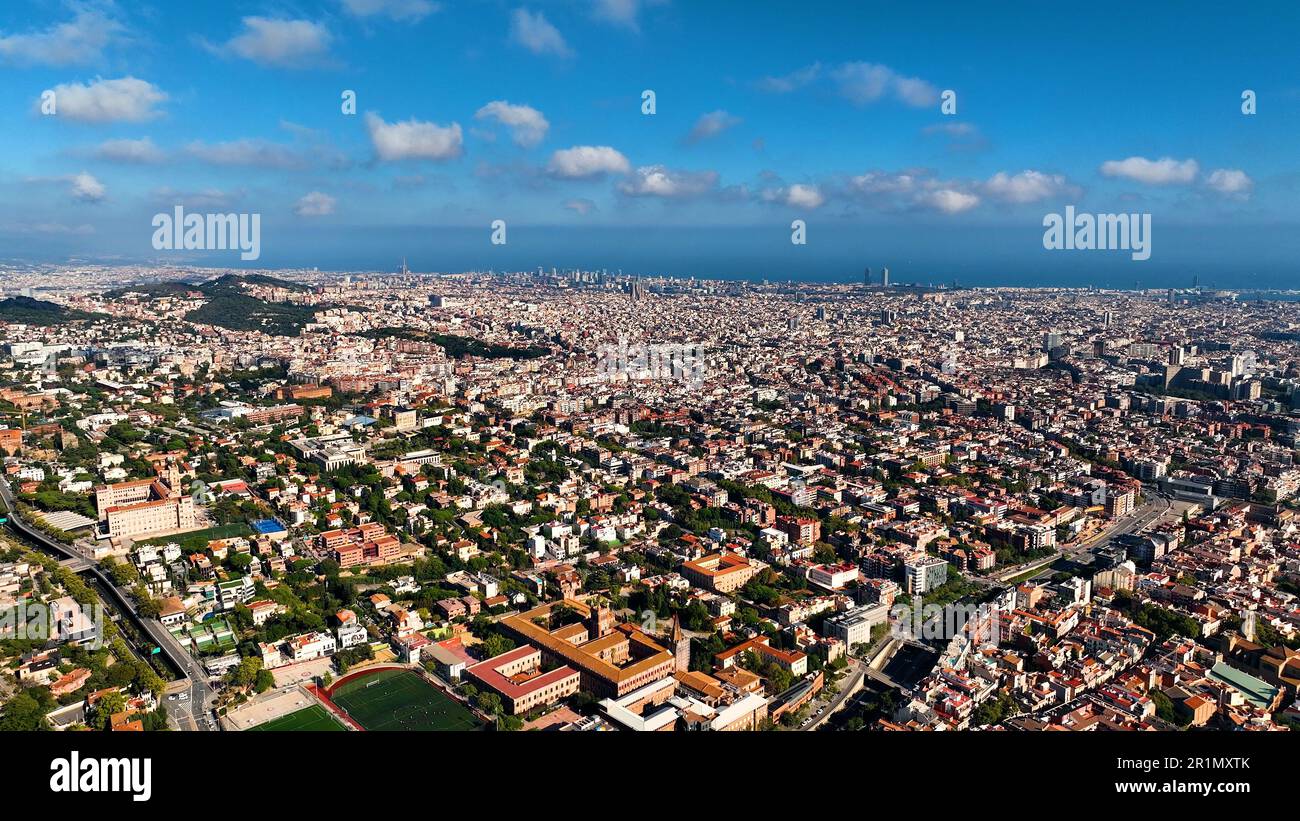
(188,714)
(1135,522)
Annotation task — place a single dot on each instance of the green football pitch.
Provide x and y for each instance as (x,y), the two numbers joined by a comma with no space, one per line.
(400,700)
(309,719)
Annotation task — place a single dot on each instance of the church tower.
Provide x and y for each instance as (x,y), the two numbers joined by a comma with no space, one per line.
(172,476)
(681,647)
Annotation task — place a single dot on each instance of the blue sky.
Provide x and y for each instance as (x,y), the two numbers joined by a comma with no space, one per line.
(467,112)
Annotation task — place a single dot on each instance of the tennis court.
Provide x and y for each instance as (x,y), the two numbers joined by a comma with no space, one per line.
(400,700)
(309,719)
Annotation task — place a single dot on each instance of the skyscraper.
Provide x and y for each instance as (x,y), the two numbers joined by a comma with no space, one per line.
(884,277)
(866,276)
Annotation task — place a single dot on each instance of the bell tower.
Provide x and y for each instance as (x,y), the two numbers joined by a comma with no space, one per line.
(681,647)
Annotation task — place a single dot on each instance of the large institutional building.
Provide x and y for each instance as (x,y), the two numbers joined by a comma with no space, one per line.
(721,572)
(612,659)
(131,509)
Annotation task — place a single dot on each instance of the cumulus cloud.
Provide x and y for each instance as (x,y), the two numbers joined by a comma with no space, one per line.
(142,151)
(1230,181)
(80,41)
(711,125)
(659,181)
(413,139)
(86,188)
(804,196)
(535,33)
(580,206)
(863,83)
(880,182)
(527,125)
(799,195)
(284,43)
(587,161)
(950,201)
(402,10)
(858,82)
(1164,171)
(786,83)
(126,99)
(314,204)
(913,189)
(1027,186)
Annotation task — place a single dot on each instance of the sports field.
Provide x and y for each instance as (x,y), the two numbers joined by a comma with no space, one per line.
(400,700)
(309,719)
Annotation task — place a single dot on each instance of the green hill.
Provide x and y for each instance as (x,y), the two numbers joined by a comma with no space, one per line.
(459,347)
(157,289)
(229,306)
(28,311)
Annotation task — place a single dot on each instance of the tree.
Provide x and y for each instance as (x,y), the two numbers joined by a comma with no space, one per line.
(26,711)
(245,673)
(265,680)
(496,644)
(489,703)
(107,705)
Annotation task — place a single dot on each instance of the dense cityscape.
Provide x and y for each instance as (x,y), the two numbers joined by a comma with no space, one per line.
(438,404)
(575,500)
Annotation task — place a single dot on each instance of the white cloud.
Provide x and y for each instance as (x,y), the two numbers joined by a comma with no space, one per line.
(141,151)
(793,81)
(916,189)
(535,33)
(402,10)
(586,161)
(711,125)
(863,83)
(622,13)
(799,195)
(879,182)
(1230,181)
(580,206)
(126,99)
(949,200)
(1164,171)
(250,152)
(659,181)
(314,204)
(81,41)
(286,43)
(413,139)
(527,125)
(1027,186)
(859,83)
(86,188)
